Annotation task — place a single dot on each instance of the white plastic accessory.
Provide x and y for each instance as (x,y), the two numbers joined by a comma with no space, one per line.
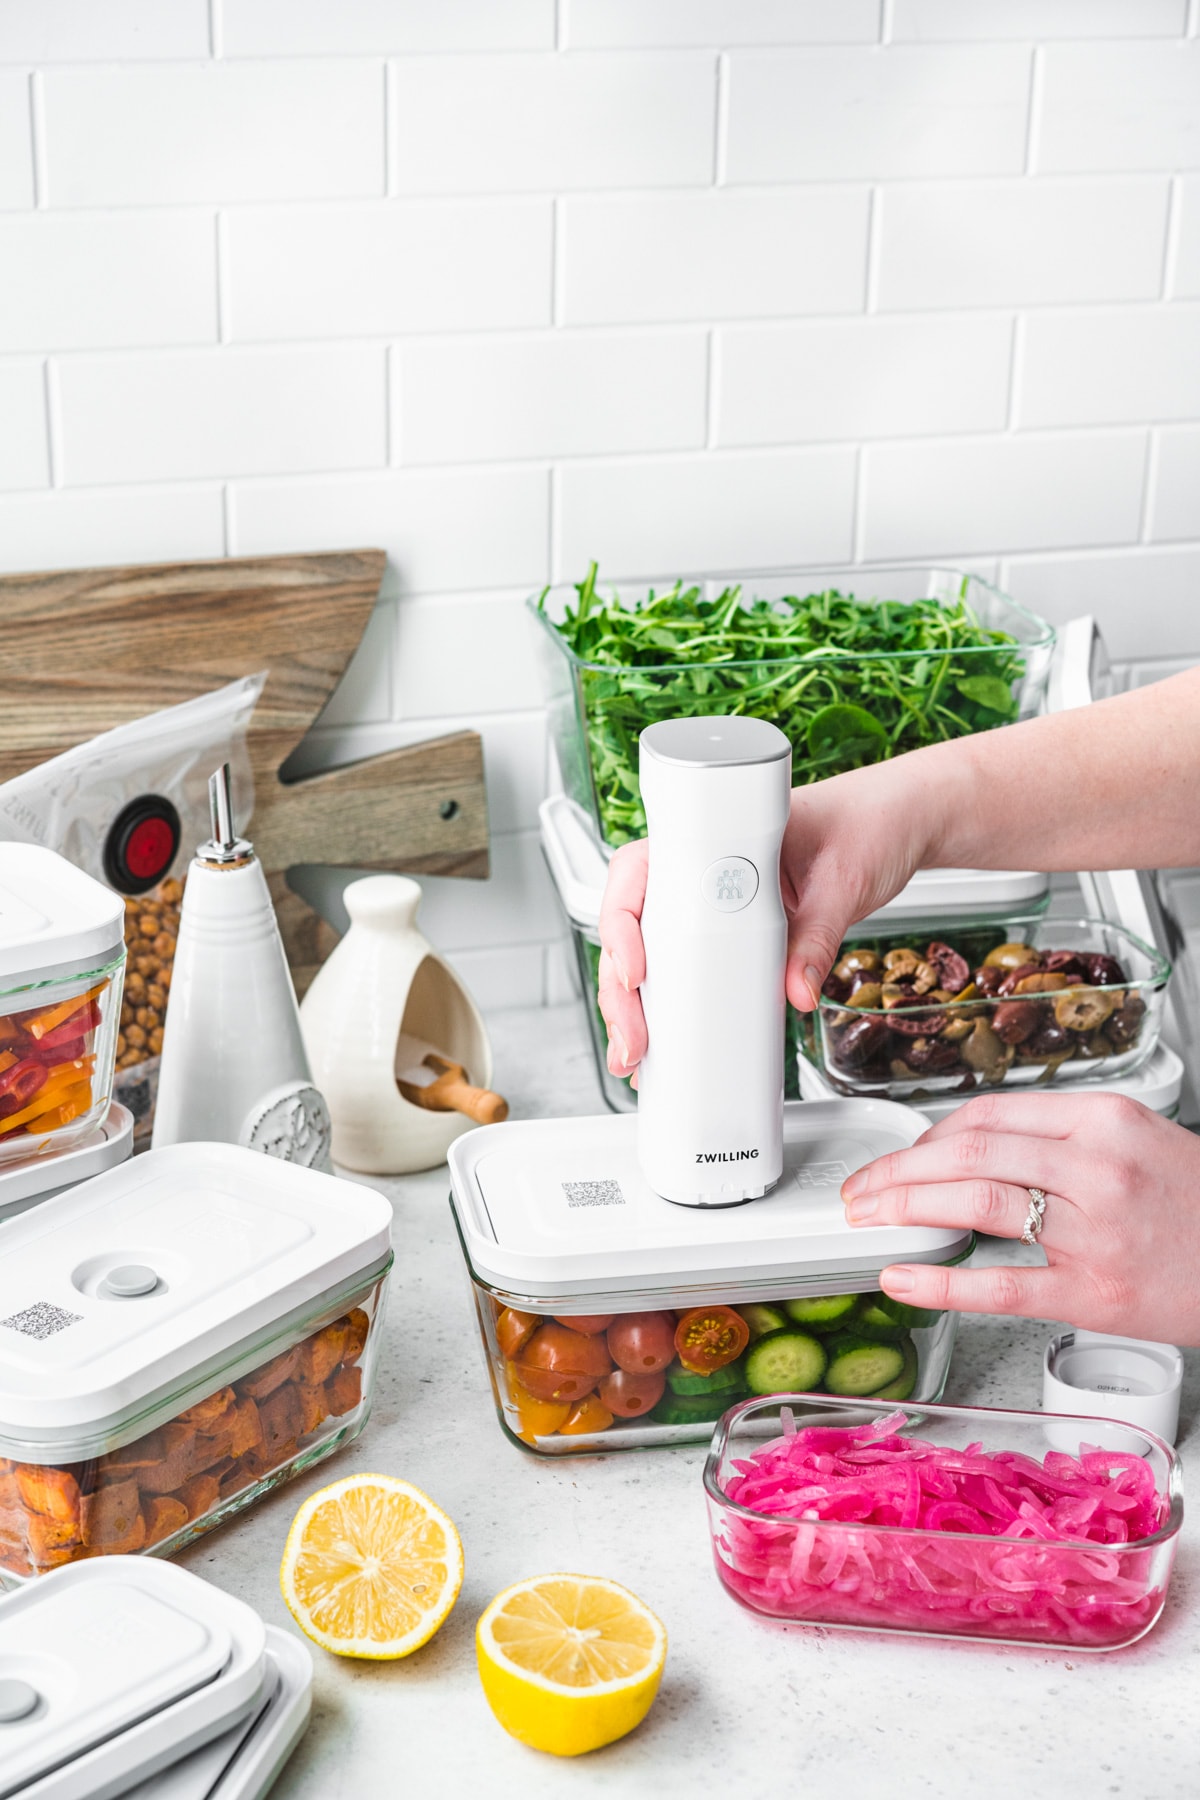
(710,1087)
(1122,1378)
(234,1067)
(385,982)
(114,1670)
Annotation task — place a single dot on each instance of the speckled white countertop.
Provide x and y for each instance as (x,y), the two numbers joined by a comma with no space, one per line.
(746,1707)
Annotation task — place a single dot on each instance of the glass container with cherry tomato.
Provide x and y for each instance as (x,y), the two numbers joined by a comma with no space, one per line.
(62,962)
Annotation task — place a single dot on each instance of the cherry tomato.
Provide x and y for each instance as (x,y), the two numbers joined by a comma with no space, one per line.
(589,1415)
(514,1329)
(708,1337)
(589,1323)
(642,1343)
(629,1396)
(560,1364)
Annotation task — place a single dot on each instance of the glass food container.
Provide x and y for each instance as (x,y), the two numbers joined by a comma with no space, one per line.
(62,959)
(1042,1586)
(1070,1000)
(612,1320)
(840,706)
(177,1337)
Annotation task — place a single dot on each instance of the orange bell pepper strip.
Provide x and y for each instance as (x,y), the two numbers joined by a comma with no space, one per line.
(56,1104)
(7,1059)
(42,1022)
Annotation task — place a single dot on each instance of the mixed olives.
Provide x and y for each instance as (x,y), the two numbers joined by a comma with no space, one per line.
(907,1014)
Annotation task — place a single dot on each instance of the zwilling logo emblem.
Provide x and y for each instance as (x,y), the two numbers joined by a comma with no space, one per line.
(711,1156)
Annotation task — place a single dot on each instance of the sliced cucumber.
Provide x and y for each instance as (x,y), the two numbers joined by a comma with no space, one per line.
(913,1318)
(821,1312)
(762,1318)
(872,1320)
(692,1409)
(901,1388)
(721,1381)
(785,1362)
(860,1365)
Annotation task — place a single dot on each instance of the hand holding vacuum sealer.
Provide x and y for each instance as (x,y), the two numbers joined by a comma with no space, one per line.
(710,1098)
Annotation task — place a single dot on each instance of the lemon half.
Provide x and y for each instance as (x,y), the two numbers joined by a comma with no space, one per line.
(569,1662)
(371,1567)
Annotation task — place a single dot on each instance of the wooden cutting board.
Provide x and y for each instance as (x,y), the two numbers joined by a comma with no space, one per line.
(83,650)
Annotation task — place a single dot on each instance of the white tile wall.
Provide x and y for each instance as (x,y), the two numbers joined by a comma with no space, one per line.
(813,115)
(862,378)
(694,285)
(556,394)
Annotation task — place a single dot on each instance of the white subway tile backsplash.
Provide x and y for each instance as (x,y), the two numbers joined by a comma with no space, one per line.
(620,24)
(16,140)
(381,27)
(144,135)
(556,394)
(498,979)
(562,974)
(24,449)
(1175,492)
(55,31)
(179,415)
(1028,493)
(364,694)
(516,905)
(1143,599)
(822,115)
(70,530)
(862,378)
(728,253)
(1119,106)
(97,280)
(464,656)
(595,120)
(1110,368)
(376,268)
(1186,282)
(931,21)
(459,529)
(1021,242)
(767,510)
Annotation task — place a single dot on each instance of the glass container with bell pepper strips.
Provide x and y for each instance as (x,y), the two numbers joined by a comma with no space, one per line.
(62,961)
(611,1319)
(179,1336)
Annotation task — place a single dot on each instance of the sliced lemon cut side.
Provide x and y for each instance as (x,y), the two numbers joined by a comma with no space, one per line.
(569,1662)
(371,1567)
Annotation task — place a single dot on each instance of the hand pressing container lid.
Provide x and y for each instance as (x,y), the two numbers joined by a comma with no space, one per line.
(115,1670)
(561,1234)
(62,961)
(177,1336)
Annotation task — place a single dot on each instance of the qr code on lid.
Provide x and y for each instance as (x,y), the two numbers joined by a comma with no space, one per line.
(41,1320)
(593,1193)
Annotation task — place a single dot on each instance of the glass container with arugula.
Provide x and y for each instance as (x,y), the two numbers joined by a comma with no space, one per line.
(938,654)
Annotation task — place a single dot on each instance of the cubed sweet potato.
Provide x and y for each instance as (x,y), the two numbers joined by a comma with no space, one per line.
(54,1492)
(272,1375)
(144,1453)
(176,1462)
(200,1495)
(112,1514)
(321,1353)
(164,1514)
(205,1414)
(51,1541)
(247,1427)
(344,1391)
(360,1325)
(315,1408)
(265,1460)
(280,1416)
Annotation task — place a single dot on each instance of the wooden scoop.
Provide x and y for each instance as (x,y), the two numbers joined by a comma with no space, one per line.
(442,1086)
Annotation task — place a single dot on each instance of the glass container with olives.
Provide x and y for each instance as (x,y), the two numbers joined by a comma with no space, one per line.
(1072,999)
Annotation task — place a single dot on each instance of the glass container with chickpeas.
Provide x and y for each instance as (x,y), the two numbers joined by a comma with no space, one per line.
(151,933)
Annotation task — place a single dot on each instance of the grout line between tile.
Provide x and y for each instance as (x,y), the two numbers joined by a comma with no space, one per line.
(558,250)
(1033,122)
(1149,478)
(221,253)
(50,400)
(225,519)
(390,131)
(858,537)
(1015,370)
(712,375)
(37,139)
(214,29)
(721,122)
(1171,237)
(874,237)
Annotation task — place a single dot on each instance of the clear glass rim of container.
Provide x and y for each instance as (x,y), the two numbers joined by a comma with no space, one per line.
(65,978)
(1043,635)
(1151,984)
(727,1423)
(226,1366)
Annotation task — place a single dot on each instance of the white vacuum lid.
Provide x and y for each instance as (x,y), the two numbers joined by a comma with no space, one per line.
(55,921)
(112,1668)
(557,1209)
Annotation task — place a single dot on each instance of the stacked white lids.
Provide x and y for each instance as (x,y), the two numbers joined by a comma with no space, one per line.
(116,1668)
(119,1293)
(558,1208)
(54,919)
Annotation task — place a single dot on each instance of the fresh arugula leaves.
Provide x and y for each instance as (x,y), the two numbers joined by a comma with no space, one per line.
(849,681)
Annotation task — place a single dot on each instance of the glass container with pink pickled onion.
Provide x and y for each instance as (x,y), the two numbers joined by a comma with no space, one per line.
(950,1521)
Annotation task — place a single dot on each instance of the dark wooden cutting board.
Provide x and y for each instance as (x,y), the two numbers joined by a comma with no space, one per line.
(83,650)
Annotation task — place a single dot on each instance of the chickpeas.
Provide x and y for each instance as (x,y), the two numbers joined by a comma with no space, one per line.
(151,929)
